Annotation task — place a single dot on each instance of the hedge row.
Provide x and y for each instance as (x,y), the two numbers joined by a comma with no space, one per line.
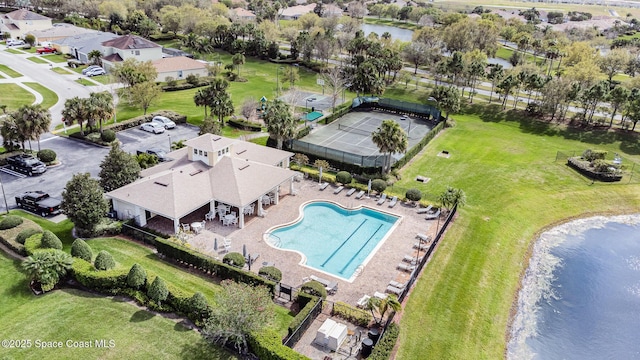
(244,125)
(210,265)
(303,132)
(384,347)
(352,314)
(267,345)
(185,86)
(584,168)
(307,302)
(419,146)
(339,111)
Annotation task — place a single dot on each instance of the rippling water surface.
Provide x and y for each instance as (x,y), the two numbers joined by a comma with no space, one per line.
(580,297)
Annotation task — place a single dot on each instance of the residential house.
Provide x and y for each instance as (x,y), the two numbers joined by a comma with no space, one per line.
(210,172)
(242,14)
(59,32)
(127,47)
(294,12)
(329,10)
(79,46)
(179,68)
(20,22)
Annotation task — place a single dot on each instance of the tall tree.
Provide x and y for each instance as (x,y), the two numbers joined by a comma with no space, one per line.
(390,138)
(95,57)
(76,110)
(335,82)
(506,86)
(143,94)
(238,60)
(118,169)
(614,62)
(132,71)
(100,108)
(32,121)
(382,306)
(448,99)
(83,202)
(280,122)
(495,75)
(216,97)
(618,98)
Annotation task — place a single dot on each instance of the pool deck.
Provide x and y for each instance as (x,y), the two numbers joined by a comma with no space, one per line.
(375,276)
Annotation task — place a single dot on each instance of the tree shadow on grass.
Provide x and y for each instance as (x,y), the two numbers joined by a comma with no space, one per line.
(141,315)
(182,326)
(203,350)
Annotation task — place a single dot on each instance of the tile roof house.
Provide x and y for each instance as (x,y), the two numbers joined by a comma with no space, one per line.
(59,32)
(20,22)
(241,14)
(210,170)
(81,45)
(129,46)
(179,67)
(294,12)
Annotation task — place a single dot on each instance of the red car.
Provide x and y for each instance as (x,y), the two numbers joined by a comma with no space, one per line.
(46,50)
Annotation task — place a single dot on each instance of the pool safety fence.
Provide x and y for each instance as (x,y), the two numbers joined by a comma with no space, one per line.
(140,235)
(292,339)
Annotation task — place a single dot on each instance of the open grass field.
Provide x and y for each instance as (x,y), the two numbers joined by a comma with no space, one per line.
(50,98)
(80,316)
(461,305)
(9,71)
(14,96)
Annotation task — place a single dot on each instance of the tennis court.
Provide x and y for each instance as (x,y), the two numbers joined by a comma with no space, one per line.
(351,134)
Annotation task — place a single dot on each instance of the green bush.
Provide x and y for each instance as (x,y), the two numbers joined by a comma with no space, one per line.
(352,314)
(171,81)
(10,221)
(343,177)
(158,291)
(80,249)
(25,234)
(137,277)
(108,136)
(108,281)
(378,185)
(591,155)
(271,272)
(306,302)
(104,261)
(413,195)
(199,306)
(50,241)
(32,243)
(314,288)
(234,259)
(192,79)
(244,125)
(267,345)
(47,156)
(384,347)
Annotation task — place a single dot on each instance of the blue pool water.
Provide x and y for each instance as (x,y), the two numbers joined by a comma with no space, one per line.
(333,239)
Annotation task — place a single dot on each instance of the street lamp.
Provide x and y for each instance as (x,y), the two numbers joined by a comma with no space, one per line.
(6,206)
(170,143)
(306,106)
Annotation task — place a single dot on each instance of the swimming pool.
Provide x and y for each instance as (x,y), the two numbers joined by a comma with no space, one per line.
(333,239)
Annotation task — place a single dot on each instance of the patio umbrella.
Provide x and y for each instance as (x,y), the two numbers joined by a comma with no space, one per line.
(244,250)
(215,244)
(369,188)
(320,177)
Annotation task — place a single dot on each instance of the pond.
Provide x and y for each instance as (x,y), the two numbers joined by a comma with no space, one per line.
(396,32)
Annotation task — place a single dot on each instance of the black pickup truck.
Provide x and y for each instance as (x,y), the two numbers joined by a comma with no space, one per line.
(39,202)
(160,154)
(27,164)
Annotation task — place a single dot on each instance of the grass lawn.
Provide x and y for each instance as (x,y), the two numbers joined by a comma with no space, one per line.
(85,82)
(55,58)
(14,96)
(37,60)
(62,70)
(460,307)
(391,22)
(9,71)
(50,98)
(76,315)
(14,51)
(260,140)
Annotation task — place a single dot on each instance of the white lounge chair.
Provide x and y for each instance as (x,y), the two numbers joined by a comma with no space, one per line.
(360,194)
(338,190)
(423,237)
(393,202)
(380,295)
(397,284)
(394,290)
(433,216)
(406,267)
(324,185)
(421,246)
(383,198)
(362,302)
(331,286)
(424,210)
(351,191)
(227,245)
(411,259)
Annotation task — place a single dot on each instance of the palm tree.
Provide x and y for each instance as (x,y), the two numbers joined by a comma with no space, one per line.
(100,108)
(381,306)
(76,110)
(390,138)
(451,197)
(238,60)
(495,75)
(200,99)
(94,57)
(10,134)
(280,122)
(32,121)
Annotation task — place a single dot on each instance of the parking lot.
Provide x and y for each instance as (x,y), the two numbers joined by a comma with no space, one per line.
(79,157)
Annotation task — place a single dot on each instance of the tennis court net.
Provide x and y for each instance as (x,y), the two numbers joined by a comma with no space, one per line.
(356,130)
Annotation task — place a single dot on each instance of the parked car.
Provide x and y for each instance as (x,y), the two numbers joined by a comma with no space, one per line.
(39,202)
(95,72)
(154,127)
(160,154)
(46,50)
(164,121)
(89,68)
(26,164)
(15,42)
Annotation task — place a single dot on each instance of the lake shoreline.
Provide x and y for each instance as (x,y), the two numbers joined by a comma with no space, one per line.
(602,217)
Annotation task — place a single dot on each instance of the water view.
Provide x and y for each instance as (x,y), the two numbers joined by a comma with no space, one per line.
(396,32)
(581,293)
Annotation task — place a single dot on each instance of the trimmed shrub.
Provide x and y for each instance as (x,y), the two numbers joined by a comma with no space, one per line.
(32,243)
(343,177)
(352,314)
(25,234)
(199,307)
(244,125)
(47,156)
(192,79)
(108,281)
(80,249)
(306,302)
(10,221)
(158,291)
(378,185)
(234,259)
(104,261)
(267,345)
(314,288)
(271,272)
(384,347)
(108,135)
(591,155)
(137,277)
(50,241)
(413,195)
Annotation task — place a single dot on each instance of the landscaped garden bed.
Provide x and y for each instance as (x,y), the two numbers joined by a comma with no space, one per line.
(593,165)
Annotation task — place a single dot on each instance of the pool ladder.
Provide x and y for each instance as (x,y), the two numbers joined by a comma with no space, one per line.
(275,241)
(359,270)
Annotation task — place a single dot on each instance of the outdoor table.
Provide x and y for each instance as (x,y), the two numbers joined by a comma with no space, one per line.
(196,226)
